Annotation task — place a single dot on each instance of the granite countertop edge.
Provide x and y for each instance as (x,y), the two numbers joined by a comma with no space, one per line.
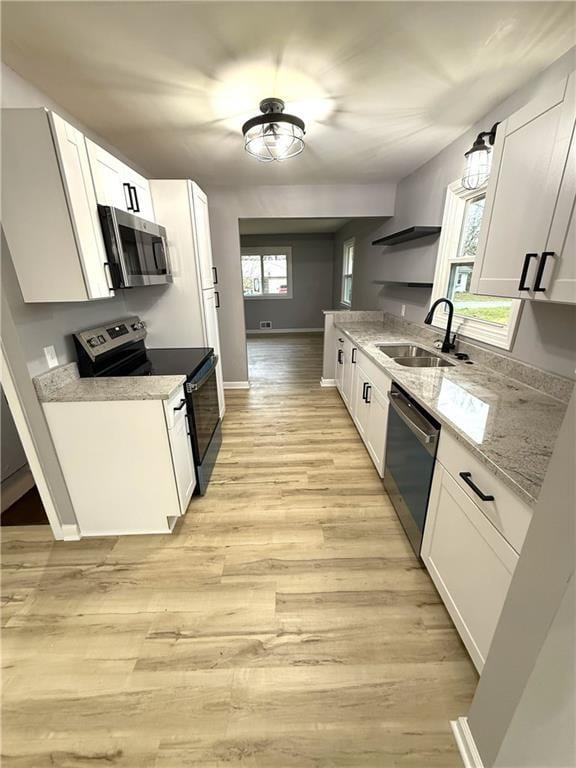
(392,369)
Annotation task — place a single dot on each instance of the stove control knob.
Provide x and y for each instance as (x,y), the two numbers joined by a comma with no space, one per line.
(93,341)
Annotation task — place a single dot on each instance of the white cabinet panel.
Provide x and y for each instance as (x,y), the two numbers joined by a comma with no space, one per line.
(530,158)
(199,204)
(182,458)
(349,355)
(339,364)
(469,561)
(119,185)
(49,211)
(377,423)
(213,340)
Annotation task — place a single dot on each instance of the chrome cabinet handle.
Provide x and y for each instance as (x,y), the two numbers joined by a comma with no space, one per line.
(467,477)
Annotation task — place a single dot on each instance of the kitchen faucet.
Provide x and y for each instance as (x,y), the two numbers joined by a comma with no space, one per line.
(448,343)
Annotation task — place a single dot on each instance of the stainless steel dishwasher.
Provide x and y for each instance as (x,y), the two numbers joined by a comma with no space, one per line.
(412,441)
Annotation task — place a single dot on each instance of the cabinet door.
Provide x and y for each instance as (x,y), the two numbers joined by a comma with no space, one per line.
(118,185)
(361,406)
(199,205)
(339,370)
(213,340)
(470,563)
(530,156)
(80,194)
(558,262)
(348,353)
(376,426)
(182,460)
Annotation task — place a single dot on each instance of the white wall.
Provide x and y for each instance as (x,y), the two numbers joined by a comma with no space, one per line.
(229,204)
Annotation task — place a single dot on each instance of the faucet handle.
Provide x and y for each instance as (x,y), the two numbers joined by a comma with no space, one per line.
(453,342)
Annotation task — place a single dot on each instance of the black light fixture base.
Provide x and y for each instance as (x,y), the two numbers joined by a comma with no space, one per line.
(479,143)
(272,104)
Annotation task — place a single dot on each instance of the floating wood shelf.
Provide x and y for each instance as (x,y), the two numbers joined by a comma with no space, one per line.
(412,233)
(409,284)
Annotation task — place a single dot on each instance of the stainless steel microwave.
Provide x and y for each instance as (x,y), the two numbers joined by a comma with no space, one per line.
(136,249)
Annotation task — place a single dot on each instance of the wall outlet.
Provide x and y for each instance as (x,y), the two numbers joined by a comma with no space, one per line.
(265,323)
(51,356)
(403,310)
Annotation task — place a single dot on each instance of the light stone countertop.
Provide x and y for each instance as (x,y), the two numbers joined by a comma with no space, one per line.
(63,385)
(509,426)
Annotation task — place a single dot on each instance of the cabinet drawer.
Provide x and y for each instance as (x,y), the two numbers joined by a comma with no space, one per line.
(506,512)
(469,561)
(175,408)
(375,374)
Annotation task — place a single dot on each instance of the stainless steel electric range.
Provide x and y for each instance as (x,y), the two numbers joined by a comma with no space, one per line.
(118,349)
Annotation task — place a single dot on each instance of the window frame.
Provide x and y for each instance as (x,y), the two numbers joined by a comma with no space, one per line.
(452,222)
(346,246)
(270,250)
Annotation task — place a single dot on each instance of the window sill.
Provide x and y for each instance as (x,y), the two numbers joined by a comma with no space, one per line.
(269,296)
(478,332)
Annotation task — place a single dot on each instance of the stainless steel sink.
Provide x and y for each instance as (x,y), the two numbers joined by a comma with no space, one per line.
(423,362)
(403,350)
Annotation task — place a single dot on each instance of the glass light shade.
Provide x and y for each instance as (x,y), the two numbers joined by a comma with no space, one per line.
(477,170)
(274,141)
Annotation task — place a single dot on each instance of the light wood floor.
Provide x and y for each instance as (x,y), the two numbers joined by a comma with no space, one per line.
(285,624)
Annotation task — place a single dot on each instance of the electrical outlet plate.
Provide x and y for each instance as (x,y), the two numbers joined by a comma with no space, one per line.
(51,356)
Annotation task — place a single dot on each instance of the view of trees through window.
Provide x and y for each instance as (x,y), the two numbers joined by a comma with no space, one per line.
(265,274)
(491,309)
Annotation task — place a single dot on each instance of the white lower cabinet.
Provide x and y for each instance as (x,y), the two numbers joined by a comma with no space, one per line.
(469,561)
(349,361)
(127,464)
(339,365)
(210,303)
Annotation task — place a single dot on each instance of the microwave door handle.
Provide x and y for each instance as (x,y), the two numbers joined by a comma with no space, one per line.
(119,249)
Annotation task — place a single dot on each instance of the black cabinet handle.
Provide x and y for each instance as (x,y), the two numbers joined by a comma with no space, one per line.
(354,350)
(135,203)
(525,267)
(214,275)
(368,390)
(182,404)
(340,356)
(217,297)
(341,341)
(540,273)
(364,391)
(128,196)
(467,477)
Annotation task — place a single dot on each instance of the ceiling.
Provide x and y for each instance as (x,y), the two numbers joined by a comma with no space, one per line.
(382,86)
(290,226)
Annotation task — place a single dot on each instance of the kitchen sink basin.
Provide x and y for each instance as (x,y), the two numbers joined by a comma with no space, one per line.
(403,350)
(423,362)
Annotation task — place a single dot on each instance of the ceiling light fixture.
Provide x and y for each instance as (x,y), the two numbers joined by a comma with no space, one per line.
(273,135)
(479,160)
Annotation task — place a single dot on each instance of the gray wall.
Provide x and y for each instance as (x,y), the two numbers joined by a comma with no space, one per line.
(230,204)
(312,264)
(546,334)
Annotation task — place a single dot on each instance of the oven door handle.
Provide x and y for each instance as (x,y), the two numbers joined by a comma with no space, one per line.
(195,385)
(397,402)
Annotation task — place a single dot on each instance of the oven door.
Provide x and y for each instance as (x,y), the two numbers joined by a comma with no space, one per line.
(136,248)
(203,409)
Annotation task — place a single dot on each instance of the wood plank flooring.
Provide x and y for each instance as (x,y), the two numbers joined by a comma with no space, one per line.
(285,624)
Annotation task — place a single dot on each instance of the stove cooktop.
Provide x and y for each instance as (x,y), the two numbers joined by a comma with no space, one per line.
(178,360)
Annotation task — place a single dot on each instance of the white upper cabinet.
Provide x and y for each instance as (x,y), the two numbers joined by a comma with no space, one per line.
(526,248)
(199,205)
(118,185)
(49,211)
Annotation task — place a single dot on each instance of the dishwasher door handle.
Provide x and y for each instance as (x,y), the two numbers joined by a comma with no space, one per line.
(398,403)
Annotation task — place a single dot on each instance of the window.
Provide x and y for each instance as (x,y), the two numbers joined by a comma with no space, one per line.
(267,273)
(347,270)
(491,319)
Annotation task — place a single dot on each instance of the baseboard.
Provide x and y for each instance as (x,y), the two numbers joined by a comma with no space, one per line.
(236,385)
(327,382)
(70,532)
(466,745)
(15,486)
(255,332)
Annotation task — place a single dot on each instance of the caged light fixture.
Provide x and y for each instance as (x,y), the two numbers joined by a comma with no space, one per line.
(479,160)
(273,135)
